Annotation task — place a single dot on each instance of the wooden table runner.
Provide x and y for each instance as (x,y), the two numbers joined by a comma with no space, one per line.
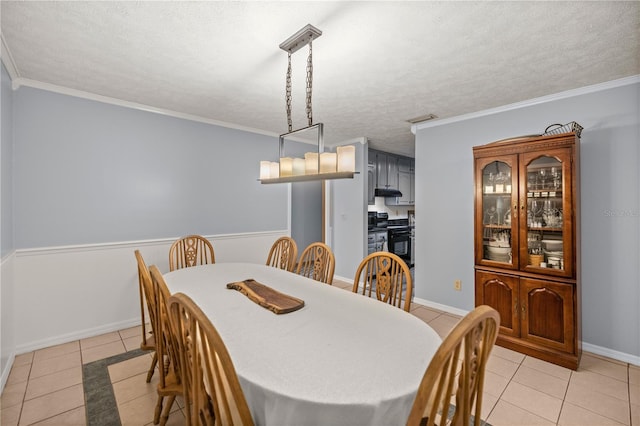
(267,297)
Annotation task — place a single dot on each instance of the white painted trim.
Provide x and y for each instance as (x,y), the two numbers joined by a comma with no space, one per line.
(610,353)
(8,257)
(9,63)
(81,334)
(535,101)
(133,105)
(135,244)
(361,140)
(440,307)
(7,371)
(338,277)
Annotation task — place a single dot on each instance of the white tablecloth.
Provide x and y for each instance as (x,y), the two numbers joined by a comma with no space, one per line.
(343,359)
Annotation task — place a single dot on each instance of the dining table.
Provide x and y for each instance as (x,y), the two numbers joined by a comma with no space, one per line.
(341,359)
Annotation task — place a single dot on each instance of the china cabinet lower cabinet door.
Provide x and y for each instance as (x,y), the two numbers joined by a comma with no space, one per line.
(537,317)
(501,293)
(548,314)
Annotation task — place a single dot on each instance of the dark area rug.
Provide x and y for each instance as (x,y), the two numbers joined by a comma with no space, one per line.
(100,401)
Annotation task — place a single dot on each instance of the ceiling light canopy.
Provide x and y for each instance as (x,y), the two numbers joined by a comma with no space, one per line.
(318,165)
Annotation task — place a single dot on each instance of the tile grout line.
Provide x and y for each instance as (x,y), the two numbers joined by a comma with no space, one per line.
(505,388)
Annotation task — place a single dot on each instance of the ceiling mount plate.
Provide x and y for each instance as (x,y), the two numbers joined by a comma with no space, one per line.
(300,39)
(422,118)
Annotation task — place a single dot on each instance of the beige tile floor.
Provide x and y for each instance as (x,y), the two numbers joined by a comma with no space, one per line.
(45,386)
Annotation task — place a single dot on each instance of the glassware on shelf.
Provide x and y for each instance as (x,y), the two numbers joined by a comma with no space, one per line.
(542,179)
(491,216)
(489,184)
(536,210)
(557,177)
(501,181)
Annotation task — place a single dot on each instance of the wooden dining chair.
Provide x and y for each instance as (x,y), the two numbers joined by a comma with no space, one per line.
(212,392)
(148,339)
(283,254)
(457,369)
(389,275)
(317,262)
(169,385)
(189,251)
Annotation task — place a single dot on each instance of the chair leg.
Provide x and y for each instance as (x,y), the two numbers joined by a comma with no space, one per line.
(154,362)
(167,410)
(158,410)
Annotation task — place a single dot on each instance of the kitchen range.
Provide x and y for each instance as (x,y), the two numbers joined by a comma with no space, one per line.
(393,235)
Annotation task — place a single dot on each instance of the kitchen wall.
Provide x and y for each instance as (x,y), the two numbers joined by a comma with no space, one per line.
(610,205)
(395,212)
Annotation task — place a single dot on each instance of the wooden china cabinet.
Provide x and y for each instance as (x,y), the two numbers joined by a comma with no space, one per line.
(527,252)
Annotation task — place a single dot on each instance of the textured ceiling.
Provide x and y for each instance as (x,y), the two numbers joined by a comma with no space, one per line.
(376,64)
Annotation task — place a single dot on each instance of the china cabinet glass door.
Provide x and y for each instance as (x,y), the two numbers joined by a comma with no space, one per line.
(496,216)
(545,202)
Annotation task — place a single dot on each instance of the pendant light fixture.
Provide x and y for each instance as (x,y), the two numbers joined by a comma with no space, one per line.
(318,165)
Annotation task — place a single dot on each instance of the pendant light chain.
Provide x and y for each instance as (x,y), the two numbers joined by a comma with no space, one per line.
(309,84)
(288,95)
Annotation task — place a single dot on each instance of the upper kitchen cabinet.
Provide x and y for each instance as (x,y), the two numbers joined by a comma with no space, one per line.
(394,174)
(406,181)
(387,170)
(371,179)
(526,243)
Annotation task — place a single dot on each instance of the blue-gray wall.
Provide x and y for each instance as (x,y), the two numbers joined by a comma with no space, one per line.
(306,202)
(6,169)
(87,172)
(610,204)
(7,330)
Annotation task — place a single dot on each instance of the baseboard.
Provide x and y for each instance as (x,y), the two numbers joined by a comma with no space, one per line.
(440,307)
(6,371)
(81,334)
(610,353)
(586,347)
(338,277)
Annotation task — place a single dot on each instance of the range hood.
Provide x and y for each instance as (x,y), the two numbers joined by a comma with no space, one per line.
(387,192)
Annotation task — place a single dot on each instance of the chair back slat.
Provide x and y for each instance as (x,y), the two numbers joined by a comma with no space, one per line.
(167,342)
(283,254)
(212,391)
(190,251)
(317,262)
(143,275)
(146,289)
(457,371)
(389,275)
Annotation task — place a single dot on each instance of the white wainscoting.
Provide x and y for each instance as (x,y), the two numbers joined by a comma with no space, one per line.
(7,330)
(63,294)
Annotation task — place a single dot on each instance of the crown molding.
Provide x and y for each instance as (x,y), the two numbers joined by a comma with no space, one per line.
(9,63)
(535,101)
(19,82)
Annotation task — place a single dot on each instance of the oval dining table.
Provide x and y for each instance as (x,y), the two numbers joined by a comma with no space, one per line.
(342,359)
